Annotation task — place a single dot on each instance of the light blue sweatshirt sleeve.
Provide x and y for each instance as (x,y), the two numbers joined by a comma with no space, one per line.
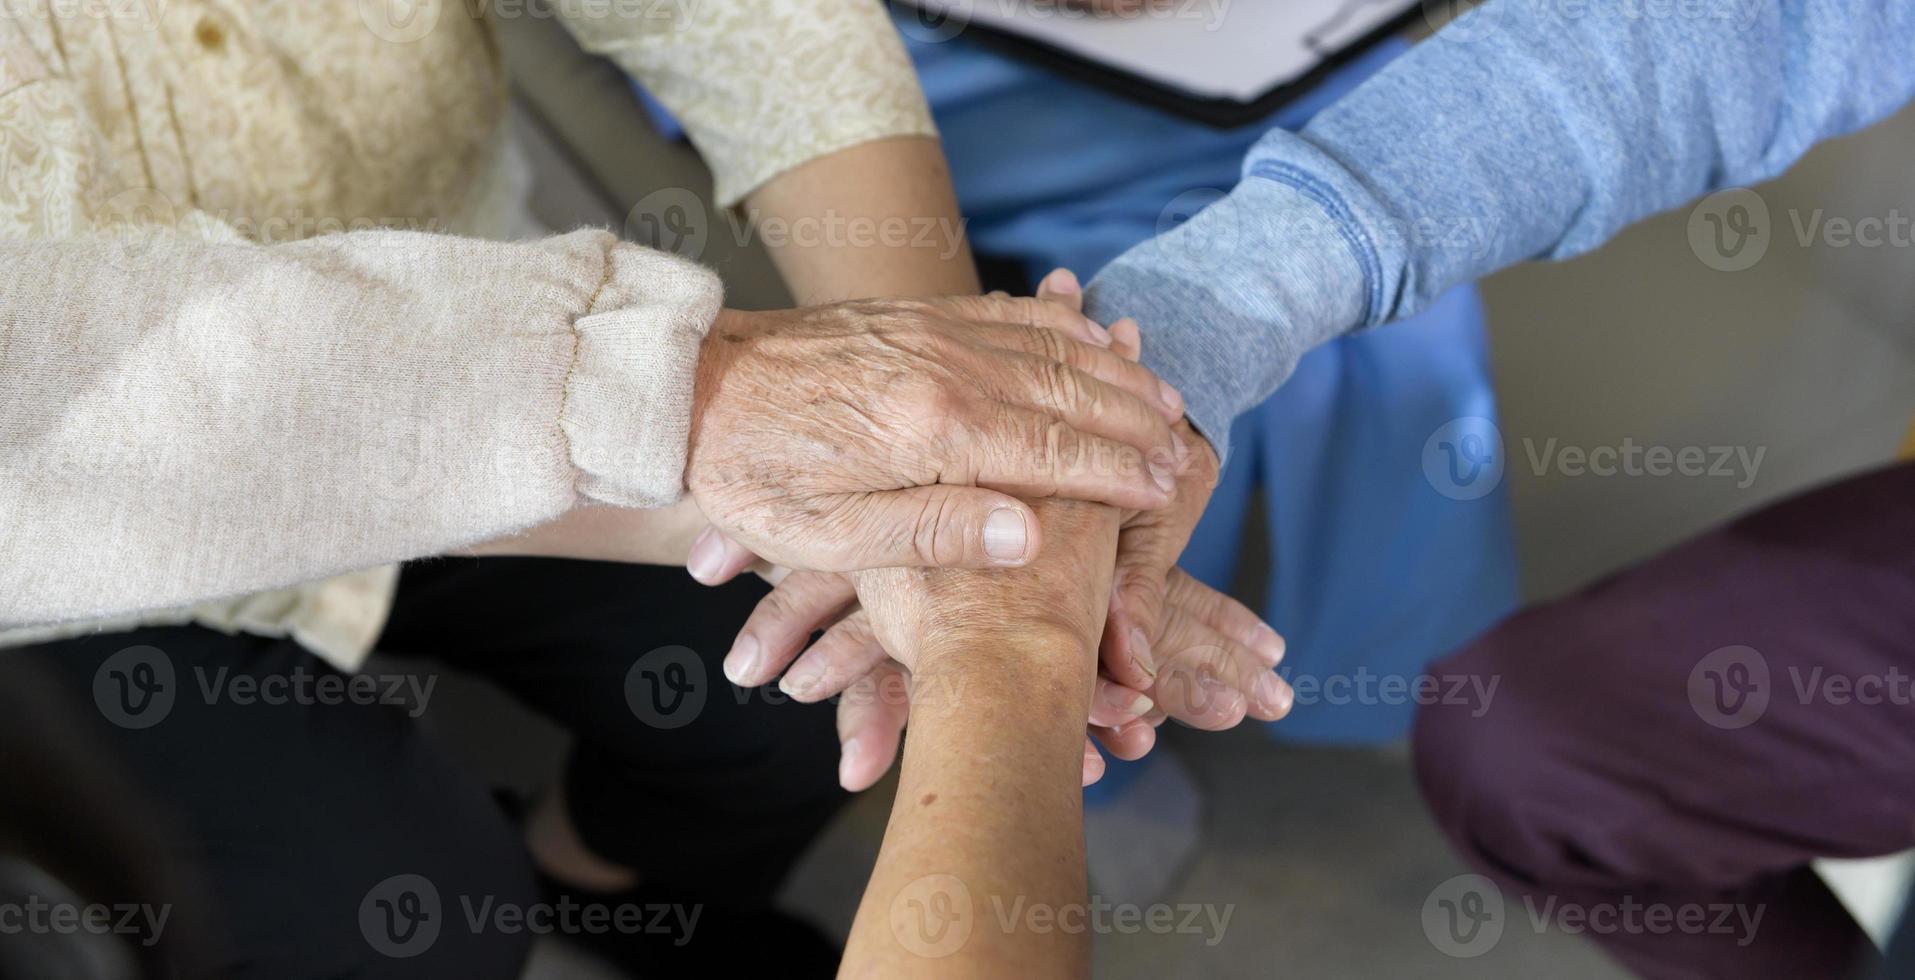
(1528,130)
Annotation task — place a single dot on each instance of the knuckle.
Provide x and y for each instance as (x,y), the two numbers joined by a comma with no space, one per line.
(943,401)
(935,533)
(1063,387)
(1018,309)
(1051,345)
(925,400)
(779,607)
(1145,588)
(1055,448)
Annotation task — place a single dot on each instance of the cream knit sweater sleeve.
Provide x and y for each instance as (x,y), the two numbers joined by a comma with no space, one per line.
(183,419)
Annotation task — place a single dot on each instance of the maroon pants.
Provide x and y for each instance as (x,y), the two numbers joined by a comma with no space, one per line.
(1690,733)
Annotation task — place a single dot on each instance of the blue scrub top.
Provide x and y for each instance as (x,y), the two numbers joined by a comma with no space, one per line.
(1376,562)
(1374,567)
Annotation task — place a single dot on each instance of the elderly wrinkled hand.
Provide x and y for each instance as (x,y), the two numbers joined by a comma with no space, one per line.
(887,433)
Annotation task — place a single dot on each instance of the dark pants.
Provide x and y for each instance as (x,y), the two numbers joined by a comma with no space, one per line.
(1691,733)
(334,838)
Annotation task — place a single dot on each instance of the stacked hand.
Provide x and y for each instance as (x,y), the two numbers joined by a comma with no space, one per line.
(1172,646)
(897,432)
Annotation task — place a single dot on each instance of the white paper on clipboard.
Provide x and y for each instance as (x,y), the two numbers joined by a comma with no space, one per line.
(1211,49)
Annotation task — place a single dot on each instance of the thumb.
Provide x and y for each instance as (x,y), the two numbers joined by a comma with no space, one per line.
(1145,556)
(942,525)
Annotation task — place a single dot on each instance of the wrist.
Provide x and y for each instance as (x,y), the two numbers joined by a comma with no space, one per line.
(1021,684)
(1030,651)
(715,356)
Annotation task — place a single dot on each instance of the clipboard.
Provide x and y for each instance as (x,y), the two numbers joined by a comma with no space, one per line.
(1223,63)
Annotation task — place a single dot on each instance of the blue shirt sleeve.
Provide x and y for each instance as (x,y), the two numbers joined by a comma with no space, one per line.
(1525,130)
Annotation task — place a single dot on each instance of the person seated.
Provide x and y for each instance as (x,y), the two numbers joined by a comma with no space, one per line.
(254,360)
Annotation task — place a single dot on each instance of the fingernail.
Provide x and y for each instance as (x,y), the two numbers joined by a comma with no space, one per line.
(1170,397)
(1004,537)
(1166,480)
(1178,446)
(742,662)
(1098,334)
(1060,281)
(1126,700)
(1268,643)
(707,558)
(847,757)
(1140,656)
(1272,693)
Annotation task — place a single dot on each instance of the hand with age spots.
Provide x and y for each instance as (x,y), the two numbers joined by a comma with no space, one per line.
(879,433)
(1210,665)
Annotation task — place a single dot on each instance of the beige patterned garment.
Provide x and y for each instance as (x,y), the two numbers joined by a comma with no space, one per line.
(223,375)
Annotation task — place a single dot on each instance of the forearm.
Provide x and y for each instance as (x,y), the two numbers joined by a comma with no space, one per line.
(982,868)
(1535,134)
(659,536)
(192,420)
(876,219)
